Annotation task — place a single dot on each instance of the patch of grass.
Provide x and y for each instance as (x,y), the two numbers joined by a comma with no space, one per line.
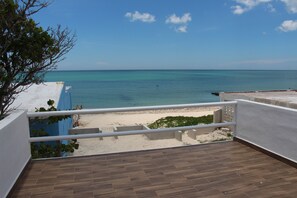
(179,121)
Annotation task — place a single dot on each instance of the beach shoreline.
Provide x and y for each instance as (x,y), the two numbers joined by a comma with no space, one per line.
(108,121)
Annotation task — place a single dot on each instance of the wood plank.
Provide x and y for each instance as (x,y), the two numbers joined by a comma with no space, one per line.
(215,170)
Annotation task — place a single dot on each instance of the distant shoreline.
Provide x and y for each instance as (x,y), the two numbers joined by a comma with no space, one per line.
(88,70)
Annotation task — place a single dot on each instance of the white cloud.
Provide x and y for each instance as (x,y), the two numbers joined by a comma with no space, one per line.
(291,5)
(173,19)
(251,3)
(180,23)
(246,5)
(271,8)
(143,17)
(288,25)
(238,9)
(182,29)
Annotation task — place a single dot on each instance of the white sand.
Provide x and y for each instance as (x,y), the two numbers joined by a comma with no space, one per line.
(106,122)
(122,144)
(109,120)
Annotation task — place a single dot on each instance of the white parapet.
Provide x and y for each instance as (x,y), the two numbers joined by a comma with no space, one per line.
(15,149)
(269,127)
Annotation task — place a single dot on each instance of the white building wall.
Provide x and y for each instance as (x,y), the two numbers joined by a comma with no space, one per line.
(14,149)
(270,127)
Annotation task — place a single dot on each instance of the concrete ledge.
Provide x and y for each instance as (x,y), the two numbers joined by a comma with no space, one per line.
(154,136)
(193,133)
(76,131)
(119,129)
(130,128)
(170,135)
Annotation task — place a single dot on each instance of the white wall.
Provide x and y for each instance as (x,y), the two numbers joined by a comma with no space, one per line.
(14,149)
(270,127)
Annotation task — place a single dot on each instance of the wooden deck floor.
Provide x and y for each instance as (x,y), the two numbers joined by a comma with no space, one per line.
(216,170)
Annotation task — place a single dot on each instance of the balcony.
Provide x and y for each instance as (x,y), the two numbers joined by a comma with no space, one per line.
(228,169)
(260,162)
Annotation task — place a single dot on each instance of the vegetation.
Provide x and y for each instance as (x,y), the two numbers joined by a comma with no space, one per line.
(51,119)
(27,51)
(49,149)
(179,121)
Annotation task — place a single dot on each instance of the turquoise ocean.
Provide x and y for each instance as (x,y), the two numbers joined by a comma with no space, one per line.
(127,88)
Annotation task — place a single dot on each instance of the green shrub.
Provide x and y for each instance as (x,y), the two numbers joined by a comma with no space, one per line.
(179,121)
(49,149)
(46,150)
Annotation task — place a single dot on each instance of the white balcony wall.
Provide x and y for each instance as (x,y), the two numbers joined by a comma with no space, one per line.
(272,128)
(15,149)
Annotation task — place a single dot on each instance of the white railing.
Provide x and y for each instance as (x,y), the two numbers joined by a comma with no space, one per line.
(129,109)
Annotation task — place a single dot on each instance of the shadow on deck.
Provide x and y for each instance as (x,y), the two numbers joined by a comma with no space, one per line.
(228,169)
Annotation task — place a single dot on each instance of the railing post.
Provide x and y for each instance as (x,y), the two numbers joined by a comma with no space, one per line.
(234,118)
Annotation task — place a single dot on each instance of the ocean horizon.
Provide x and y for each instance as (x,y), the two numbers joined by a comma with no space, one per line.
(127,88)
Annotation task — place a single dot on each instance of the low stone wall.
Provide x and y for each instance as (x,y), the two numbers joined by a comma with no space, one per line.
(160,136)
(151,136)
(130,128)
(76,131)
(193,133)
(119,129)
(218,116)
(168,135)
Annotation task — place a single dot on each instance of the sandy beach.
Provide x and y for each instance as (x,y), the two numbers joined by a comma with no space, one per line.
(110,120)
(106,123)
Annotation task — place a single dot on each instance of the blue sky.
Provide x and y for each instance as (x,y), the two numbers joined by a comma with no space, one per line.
(176,34)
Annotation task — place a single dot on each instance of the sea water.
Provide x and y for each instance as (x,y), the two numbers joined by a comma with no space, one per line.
(100,89)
